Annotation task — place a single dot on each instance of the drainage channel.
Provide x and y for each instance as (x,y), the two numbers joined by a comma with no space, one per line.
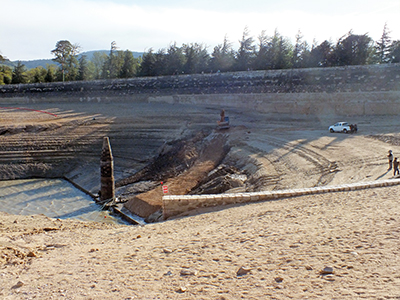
(54,198)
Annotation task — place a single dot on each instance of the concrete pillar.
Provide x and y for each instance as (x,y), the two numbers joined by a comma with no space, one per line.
(107,172)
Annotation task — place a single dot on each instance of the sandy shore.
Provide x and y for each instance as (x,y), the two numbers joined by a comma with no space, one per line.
(337,246)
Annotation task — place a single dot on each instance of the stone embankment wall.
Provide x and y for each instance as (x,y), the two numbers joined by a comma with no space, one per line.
(352,90)
(179,204)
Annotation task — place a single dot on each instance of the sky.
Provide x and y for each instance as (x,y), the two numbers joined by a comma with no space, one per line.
(30,29)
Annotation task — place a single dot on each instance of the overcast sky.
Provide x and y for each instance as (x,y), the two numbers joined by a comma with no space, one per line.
(30,29)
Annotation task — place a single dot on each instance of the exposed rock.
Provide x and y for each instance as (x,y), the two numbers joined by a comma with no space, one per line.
(326,271)
(188,272)
(31,254)
(182,289)
(169,273)
(155,217)
(219,185)
(18,285)
(243,271)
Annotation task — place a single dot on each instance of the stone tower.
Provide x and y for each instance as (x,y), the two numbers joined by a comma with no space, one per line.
(107,172)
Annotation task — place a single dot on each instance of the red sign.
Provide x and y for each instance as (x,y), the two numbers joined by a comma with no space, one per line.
(165,189)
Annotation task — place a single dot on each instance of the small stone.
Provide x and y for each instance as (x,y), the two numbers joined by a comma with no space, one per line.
(326,271)
(278,279)
(31,254)
(18,285)
(243,271)
(167,250)
(182,289)
(169,273)
(188,272)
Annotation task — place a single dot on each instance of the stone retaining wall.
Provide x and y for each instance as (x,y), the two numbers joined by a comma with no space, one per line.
(351,90)
(175,205)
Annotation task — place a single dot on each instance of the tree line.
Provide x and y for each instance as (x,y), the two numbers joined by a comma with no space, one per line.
(264,53)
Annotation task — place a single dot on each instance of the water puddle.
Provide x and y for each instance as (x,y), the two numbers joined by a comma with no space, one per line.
(55,198)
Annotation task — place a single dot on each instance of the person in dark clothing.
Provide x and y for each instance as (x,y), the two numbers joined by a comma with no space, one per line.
(390,157)
(396,167)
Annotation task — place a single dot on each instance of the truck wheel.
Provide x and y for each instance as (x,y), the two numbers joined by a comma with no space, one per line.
(345,130)
(331,130)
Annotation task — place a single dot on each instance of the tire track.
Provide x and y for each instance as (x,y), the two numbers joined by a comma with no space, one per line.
(323,168)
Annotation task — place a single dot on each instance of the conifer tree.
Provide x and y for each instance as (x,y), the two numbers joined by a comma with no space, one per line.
(383,46)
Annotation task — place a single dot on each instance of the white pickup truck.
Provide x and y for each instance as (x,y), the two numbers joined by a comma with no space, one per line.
(343,127)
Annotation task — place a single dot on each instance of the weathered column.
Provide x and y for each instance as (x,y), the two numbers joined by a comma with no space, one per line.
(107,172)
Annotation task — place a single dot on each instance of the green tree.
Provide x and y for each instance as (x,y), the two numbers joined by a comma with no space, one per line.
(5,75)
(51,73)
(72,68)
(261,54)
(91,71)
(110,67)
(65,54)
(98,60)
(83,72)
(174,60)
(383,46)
(245,53)
(279,52)
(353,49)
(18,74)
(300,53)
(147,66)
(36,75)
(321,55)
(394,53)
(196,58)
(223,57)
(129,67)
(153,64)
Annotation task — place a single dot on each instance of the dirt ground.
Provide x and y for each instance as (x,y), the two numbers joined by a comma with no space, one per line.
(332,246)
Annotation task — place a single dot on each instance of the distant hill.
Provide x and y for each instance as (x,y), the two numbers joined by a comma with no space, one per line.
(31,64)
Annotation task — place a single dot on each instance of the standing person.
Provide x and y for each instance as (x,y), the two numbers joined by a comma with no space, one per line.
(222,115)
(396,167)
(390,157)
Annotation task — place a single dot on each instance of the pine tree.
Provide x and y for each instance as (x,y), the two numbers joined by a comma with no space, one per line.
(383,46)
(128,69)
(65,54)
(18,75)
